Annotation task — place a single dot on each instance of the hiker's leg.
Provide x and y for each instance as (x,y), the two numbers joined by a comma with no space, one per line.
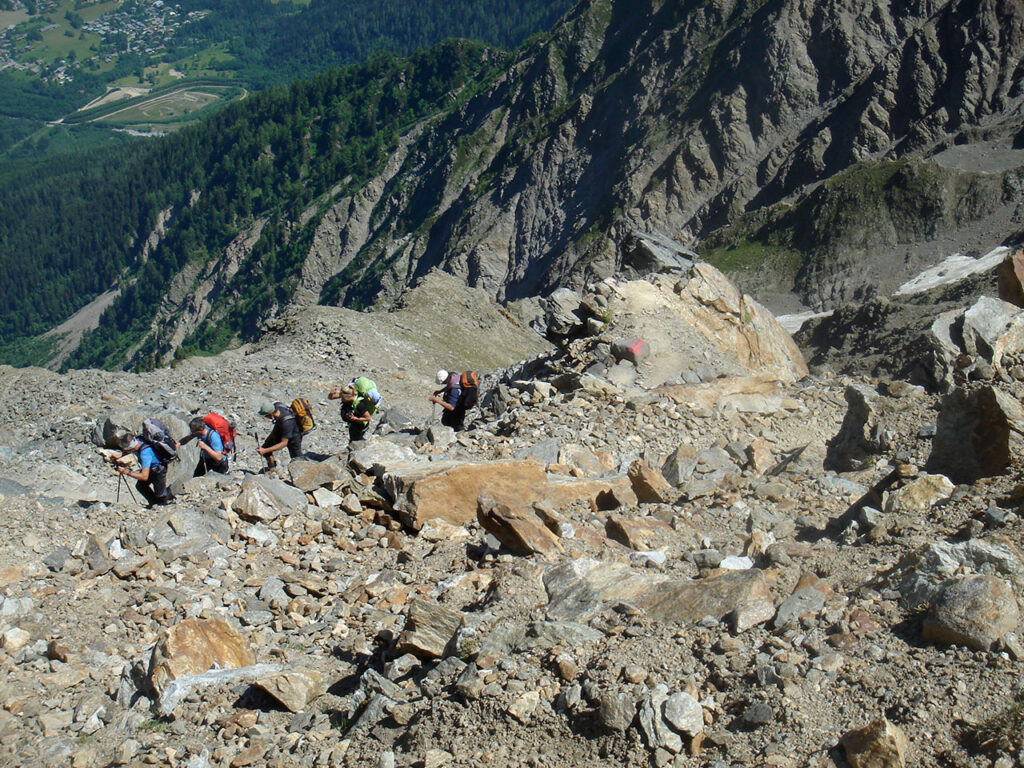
(200,469)
(272,439)
(295,447)
(159,479)
(145,488)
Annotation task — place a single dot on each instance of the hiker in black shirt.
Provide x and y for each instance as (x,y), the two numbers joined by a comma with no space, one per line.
(285,432)
(355,411)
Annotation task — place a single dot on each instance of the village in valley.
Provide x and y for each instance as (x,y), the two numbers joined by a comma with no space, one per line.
(53,40)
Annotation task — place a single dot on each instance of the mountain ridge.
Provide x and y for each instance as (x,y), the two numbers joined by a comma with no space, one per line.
(673,119)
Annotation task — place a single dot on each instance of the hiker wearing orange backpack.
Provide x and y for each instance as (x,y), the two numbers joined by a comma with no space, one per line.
(458,393)
(213,455)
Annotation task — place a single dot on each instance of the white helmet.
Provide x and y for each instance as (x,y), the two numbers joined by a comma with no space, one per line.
(442,377)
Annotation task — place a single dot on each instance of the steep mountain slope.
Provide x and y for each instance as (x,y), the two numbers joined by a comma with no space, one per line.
(681,119)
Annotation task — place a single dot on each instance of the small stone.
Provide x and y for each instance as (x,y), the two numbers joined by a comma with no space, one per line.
(879,744)
(684,713)
(757,714)
(14,639)
(523,707)
(616,710)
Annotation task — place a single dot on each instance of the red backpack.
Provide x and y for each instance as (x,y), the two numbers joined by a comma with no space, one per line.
(222,427)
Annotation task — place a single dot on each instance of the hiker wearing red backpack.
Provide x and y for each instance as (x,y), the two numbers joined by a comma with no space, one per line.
(213,456)
(458,394)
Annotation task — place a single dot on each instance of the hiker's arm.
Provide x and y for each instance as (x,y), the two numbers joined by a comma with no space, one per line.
(183,440)
(272,448)
(215,455)
(334,394)
(142,475)
(442,403)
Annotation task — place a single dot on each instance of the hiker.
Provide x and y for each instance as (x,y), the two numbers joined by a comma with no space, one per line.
(454,413)
(286,432)
(212,454)
(152,478)
(356,411)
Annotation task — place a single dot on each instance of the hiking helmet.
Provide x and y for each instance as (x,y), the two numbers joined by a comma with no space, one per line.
(442,377)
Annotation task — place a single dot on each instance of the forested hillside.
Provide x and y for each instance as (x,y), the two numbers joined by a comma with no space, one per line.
(276,42)
(70,228)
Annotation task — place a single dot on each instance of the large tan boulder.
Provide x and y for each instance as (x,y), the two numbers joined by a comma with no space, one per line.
(702,322)
(450,491)
(195,646)
(518,528)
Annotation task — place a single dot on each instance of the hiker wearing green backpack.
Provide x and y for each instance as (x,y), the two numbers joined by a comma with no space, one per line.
(359,401)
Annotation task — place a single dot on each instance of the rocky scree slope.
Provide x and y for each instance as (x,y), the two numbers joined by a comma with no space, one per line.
(720,567)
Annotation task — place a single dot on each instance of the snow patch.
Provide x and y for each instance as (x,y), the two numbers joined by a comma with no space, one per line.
(955,268)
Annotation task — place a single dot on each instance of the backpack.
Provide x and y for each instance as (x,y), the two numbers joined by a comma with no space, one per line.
(222,427)
(156,436)
(304,414)
(469,384)
(365,388)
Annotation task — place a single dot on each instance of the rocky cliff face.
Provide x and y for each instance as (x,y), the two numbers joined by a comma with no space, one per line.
(676,118)
(819,151)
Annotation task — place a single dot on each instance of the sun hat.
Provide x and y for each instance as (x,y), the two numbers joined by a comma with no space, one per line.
(442,376)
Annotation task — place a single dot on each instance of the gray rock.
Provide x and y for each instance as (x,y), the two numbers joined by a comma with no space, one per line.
(309,475)
(975,611)
(616,710)
(863,434)
(652,724)
(978,432)
(264,499)
(684,713)
(804,602)
(192,532)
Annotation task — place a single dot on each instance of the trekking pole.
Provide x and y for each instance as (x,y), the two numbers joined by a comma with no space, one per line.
(134,499)
(119,476)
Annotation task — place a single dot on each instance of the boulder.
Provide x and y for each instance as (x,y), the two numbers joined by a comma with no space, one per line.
(195,646)
(634,350)
(863,434)
(561,312)
(649,485)
(186,531)
(920,576)
(1010,278)
(974,611)
(977,434)
(377,455)
(309,475)
(294,688)
(581,588)
(920,494)
(992,329)
(429,628)
(679,466)
(450,491)
(584,461)
(518,529)
(640,533)
(265,499)
(879,744)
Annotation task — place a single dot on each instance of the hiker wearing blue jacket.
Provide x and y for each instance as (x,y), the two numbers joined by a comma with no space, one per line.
(212,456)
(152,477)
